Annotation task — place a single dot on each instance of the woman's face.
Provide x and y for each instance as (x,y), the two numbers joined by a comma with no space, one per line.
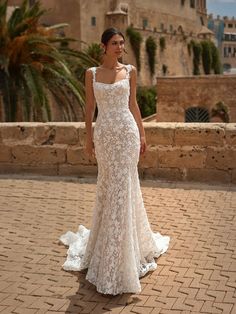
(115,46)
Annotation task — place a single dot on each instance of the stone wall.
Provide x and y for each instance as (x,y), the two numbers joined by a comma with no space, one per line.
(176,94)
(176,151)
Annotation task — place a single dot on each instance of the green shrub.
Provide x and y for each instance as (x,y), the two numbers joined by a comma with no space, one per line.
(135,39)
(146,98)
(197,52)
(221,109)
(162,43)
(206,56)
(216,64)
(151,47)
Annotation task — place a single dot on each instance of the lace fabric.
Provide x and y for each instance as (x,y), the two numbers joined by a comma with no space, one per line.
(120,247)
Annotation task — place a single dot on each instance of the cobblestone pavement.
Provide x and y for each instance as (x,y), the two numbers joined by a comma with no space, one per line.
(196,275)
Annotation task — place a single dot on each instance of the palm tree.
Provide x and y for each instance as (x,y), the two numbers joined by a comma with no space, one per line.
(36,66)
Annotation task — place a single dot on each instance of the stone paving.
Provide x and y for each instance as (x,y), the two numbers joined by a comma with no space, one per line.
(196,275)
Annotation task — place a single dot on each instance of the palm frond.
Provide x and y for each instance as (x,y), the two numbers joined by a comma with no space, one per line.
(26,100)
(35,65)
(56,26)
(3,12)
(24,18)
(9,99)
(14,20)
(36,10)
(36,86)
(67,80)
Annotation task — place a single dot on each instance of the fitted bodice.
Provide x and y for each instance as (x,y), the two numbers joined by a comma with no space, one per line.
(114,96)
(114,117)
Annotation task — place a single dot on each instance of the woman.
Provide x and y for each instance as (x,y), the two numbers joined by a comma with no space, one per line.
(120,248)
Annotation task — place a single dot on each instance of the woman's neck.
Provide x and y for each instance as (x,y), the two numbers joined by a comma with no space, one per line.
(110,64)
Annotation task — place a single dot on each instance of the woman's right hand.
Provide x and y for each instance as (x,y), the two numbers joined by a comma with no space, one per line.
(89,149)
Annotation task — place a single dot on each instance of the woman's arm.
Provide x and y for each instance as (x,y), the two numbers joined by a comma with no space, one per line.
(134,108)
(89,111)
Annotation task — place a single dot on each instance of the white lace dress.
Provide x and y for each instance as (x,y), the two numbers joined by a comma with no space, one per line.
(120,247)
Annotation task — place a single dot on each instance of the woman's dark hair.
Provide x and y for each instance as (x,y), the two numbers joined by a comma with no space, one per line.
(108,33)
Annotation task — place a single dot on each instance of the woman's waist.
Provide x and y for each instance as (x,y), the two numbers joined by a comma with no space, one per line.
(116,122)
(111,114)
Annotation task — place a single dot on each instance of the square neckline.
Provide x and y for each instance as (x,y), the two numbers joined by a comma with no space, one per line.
(127,68)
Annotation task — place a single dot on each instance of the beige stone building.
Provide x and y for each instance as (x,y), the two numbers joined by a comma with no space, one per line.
(178,21)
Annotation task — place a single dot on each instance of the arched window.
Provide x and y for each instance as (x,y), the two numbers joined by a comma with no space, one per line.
(197,114)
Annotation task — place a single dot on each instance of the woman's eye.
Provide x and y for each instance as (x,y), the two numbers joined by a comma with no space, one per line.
(116,43)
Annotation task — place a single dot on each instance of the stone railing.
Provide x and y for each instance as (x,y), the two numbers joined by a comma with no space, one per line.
(176,151)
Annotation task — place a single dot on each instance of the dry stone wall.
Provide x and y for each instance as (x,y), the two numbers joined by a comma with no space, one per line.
(203,152)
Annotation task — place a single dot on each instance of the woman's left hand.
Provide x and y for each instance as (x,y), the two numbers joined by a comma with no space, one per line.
(143,144)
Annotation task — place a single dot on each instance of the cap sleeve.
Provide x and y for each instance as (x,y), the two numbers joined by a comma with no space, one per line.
(93,69)
(128,68)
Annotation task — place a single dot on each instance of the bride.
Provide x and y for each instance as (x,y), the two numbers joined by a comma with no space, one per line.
(120,247)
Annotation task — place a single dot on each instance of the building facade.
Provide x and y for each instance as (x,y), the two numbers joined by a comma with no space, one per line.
(225,38)
(229,44)
(178,22)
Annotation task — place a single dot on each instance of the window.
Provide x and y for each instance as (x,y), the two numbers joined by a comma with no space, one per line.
(93,21)
(226,37)
(192,4)
(225,52)
(162,26)
(230,25)
(197,114)
(171,28)
(226,66)
(145,23)
(182,2)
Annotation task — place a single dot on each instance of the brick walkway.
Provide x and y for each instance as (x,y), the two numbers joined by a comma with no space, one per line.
(196,275)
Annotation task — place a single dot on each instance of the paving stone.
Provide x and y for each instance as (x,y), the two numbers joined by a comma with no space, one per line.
(196,275)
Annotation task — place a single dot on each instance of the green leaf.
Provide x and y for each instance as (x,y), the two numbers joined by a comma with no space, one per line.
(36,86)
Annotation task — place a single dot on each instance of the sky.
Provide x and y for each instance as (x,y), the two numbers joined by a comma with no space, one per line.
(222,7)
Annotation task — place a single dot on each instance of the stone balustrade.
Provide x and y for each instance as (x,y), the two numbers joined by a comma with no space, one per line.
(203,152)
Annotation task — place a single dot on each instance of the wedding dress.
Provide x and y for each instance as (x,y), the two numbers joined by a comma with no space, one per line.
(120,247)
